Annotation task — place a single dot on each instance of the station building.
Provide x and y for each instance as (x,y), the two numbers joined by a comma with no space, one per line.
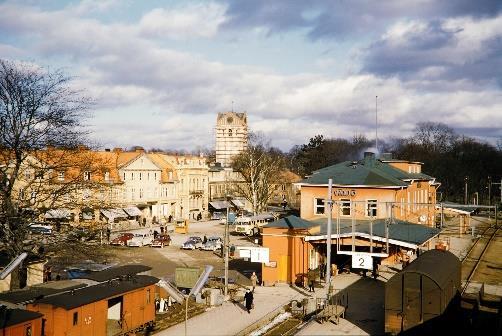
(381,206)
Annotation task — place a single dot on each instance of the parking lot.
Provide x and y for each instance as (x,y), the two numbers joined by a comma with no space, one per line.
(165,260)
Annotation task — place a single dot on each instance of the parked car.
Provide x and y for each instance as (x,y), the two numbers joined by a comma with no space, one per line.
(40,228)
(212,244)
(217,216)
(140,239)
(162,240)
(122,239)
(192,243)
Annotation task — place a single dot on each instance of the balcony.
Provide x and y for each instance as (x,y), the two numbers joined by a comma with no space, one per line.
(197,192)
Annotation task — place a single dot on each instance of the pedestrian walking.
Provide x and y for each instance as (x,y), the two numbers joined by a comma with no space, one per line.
(49,273)
(204,240)
(108,232)
(248,297)
(311,279)
(254,280)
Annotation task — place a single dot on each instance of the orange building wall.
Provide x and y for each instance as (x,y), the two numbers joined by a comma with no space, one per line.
(290,253)
(418,192)
(20,329)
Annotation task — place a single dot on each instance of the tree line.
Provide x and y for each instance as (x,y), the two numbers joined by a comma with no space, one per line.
(455,160)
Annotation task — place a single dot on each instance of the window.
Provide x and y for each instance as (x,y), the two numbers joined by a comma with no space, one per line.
(132,176)
(371,208)
(27,174)
(140,193)
(75,318)
(28,331)
(87,175)
(148,296)
(318,206)
(345,207)
(107,176)
(124,176)
(229,132)
(61,176)
(140,176)
(21,194)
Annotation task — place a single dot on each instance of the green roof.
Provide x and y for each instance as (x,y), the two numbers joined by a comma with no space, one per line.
(399,230)
(369,171)
(290,222)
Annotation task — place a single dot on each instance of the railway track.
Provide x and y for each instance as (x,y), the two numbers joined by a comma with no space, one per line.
(476,255)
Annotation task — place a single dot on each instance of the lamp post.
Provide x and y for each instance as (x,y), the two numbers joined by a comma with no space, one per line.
(465,197)
(225,246)
(489,190)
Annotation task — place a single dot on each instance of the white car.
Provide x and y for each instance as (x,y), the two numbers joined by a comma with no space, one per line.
(212,244)
(140,239)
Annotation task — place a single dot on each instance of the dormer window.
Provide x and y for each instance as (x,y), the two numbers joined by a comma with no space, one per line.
(87,175)
(107,176)
(61,176)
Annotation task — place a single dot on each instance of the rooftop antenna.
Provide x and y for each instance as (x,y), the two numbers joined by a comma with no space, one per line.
(376,124)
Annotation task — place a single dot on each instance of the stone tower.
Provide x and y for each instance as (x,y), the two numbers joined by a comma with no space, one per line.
(231,136)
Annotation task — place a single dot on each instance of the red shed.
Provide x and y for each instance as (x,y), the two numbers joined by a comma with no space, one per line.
(119,305)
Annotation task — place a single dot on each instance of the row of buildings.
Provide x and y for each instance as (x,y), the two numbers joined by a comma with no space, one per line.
(85,185)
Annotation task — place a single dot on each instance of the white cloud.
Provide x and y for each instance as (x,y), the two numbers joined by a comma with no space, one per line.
(151,95)
(195,20)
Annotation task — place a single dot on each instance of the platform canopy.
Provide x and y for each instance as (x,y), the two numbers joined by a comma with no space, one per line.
(401,233)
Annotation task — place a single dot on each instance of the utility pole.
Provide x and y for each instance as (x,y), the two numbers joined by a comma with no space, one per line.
(489,190)
(225,247)
(465,197)
(328,233)
(376,124)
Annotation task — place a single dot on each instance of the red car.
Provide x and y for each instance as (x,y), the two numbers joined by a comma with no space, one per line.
(161,241)
(122,239)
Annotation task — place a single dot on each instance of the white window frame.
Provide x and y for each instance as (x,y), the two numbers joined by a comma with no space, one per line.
(107,176)
(345,203)
(374,205)
(87,175)
(61,176)
(319,209)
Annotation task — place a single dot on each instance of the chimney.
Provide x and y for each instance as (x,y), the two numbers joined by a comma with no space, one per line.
(386,156)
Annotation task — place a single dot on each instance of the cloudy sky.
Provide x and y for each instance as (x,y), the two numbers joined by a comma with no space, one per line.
(161,70)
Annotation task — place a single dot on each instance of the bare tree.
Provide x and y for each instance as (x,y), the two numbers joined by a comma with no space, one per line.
(261,168)
(42,161)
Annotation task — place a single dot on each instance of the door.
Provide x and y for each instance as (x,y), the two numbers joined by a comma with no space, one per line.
(412,300)
(284,268)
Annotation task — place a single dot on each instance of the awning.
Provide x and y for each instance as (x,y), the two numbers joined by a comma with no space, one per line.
(133,211)
(238,203)
(113,213)
(58,213)
(218,205)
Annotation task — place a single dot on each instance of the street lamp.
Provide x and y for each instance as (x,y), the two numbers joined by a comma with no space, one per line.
(225,244)
(489,190)
(465,197)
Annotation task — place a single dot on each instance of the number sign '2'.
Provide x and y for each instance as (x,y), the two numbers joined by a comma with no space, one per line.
(362,260)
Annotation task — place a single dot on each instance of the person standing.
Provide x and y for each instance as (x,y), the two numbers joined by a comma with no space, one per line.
(248,297)
(254,280)
(311,279)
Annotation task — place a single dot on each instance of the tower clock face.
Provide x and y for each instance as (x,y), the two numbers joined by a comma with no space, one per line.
(230,120)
